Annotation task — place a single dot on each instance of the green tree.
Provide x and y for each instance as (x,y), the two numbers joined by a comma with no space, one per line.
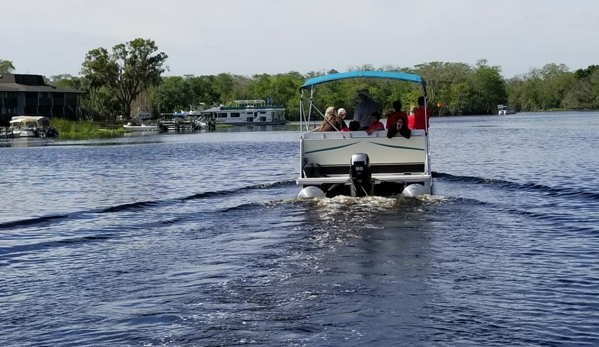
(260,86)
(584,93)
(515,90)
(440,78)
(66,81)
(173,94)
(285,92)
(6,67)
(223,87)
(581,74)
(204,91)
(552,82)
(459,95)
(489,87)
(128,70)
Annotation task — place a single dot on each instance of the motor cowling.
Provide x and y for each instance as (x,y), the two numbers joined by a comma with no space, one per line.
(360,175)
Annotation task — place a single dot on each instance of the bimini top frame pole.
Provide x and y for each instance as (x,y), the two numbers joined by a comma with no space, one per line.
(306,119)
(303,118)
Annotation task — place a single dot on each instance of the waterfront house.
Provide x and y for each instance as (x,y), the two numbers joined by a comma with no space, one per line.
(29,95)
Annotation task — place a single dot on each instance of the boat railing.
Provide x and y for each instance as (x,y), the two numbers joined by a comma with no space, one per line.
(249,103)
(265,107)
(353,134)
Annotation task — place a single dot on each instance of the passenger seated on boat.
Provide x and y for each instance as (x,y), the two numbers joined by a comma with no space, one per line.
(400,127)
(397,122)
(397,114)
(354,125)
(411,116)
(341,113)
(345,127)
(331,122)
(375,123)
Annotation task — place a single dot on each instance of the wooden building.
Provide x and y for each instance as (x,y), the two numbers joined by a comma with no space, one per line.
(29,95)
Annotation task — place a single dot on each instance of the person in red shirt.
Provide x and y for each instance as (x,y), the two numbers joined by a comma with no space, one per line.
(393,117)
(398,122)
(375,123)
(411,117)
(420,120)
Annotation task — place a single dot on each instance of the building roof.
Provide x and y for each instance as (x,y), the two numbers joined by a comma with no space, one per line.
(30,83)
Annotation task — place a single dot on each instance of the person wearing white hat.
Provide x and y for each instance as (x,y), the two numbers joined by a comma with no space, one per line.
(366,107)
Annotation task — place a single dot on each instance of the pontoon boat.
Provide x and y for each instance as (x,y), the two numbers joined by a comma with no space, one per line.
(357,164)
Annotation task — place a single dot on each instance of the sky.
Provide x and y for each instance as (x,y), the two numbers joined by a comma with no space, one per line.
(247,37)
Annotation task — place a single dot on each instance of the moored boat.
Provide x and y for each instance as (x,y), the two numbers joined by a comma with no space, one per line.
(140,127)
(247,112)
(357,164)
(141,122)
(31,126)
(504,110)
(181,122)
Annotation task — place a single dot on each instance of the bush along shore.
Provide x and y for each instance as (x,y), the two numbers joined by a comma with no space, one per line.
(86,129)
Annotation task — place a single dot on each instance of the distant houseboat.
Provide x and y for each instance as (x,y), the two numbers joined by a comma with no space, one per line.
(246,112)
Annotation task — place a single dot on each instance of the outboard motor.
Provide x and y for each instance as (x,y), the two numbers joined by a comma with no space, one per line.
(360,175)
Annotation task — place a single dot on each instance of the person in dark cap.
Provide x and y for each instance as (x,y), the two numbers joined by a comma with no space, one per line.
(366,107)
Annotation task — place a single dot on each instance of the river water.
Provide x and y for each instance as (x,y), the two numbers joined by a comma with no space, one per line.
(198,240)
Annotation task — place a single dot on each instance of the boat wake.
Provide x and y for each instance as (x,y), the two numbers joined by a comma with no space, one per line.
(137,206)
(563,191)
(558,208)
(32,221)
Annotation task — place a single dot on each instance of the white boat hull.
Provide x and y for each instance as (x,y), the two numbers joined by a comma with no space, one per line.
(15,134)
(325,159)
(234,122)
(141,127)
(25,133)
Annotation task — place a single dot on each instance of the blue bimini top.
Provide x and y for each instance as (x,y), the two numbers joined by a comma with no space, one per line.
(364,74)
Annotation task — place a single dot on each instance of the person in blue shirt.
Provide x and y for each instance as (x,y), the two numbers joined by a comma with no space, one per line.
(366,107)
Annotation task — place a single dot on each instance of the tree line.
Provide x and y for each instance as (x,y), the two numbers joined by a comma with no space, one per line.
(129,78)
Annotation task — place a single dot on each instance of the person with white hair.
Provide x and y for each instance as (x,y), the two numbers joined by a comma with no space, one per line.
(330,121)
(366,107)
(341,113)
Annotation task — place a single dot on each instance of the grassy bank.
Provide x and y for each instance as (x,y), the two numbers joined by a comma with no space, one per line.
(83,129)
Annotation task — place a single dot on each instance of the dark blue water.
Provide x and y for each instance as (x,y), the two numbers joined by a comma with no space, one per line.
(197,240)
